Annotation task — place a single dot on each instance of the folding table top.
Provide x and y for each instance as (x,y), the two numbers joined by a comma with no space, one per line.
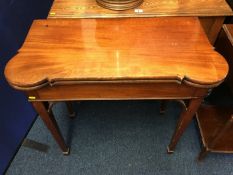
(166,48)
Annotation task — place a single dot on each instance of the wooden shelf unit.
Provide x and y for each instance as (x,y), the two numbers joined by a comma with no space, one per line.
(216,128)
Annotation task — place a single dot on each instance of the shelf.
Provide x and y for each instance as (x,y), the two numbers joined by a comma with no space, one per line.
(211,120)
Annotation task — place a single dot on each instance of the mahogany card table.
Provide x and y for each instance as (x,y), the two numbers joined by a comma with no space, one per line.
(116,59)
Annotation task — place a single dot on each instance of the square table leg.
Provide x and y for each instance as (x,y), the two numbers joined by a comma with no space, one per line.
(51,124)
(184,120)
(70,109)
(163,105)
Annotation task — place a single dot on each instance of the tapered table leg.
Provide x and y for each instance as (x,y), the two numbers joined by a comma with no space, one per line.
(163,105)
(185,118)
(70,109)
(51,124)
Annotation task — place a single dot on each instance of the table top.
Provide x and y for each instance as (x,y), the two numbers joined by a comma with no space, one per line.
(166,48)
(149,8)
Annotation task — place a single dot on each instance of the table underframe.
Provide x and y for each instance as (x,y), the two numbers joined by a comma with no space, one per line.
(128,90)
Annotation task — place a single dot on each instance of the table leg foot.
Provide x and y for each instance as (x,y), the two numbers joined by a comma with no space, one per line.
(169,151)
(202,154)
(72,115)
(66,153)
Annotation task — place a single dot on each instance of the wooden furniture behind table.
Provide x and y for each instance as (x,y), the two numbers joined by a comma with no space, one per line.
(216,122)
(224,45)
(211,12)
(216,127)
(112,59)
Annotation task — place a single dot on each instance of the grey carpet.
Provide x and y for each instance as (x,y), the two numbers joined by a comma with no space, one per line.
(118,137)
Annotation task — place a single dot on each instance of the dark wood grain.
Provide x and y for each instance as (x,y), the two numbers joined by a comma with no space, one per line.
(116,50)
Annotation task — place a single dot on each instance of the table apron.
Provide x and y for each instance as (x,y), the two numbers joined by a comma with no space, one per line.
(116,91)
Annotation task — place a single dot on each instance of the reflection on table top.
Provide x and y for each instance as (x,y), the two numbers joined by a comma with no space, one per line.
(116,49)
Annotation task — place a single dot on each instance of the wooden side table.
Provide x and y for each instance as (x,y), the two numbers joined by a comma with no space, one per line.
(211,13)
(111,59)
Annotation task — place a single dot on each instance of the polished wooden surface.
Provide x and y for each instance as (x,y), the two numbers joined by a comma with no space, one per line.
(90,9)
(216,127)
(224,45)
(116,50)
